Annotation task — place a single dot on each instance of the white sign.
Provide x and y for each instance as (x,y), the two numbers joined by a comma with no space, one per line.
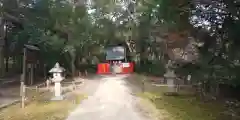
(115,53)
(125,64)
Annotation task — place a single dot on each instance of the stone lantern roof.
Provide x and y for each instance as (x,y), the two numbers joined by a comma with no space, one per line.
(57,69)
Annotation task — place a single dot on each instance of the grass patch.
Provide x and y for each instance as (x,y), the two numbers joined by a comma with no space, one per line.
(184,106)
(40,109)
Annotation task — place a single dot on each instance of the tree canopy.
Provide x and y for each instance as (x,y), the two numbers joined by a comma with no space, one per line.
(200,36)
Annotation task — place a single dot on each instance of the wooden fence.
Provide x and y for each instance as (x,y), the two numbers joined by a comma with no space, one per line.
(30,93)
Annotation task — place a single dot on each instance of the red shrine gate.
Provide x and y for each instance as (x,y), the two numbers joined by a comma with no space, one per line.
(116,62)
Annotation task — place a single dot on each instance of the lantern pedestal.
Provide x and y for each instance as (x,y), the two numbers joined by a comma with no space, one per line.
(171,85)
(57,92)
(170,77)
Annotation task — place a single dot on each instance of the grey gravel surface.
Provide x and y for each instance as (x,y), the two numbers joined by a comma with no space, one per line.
(109,98)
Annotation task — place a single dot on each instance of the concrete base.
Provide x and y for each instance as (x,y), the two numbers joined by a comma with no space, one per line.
(57,98)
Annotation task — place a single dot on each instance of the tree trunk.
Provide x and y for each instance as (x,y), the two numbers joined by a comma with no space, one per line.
(2,42)
(73,59)
(7,64)
(73,66)
(2,66)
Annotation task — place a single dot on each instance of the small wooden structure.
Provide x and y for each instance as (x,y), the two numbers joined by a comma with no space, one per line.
(30,60)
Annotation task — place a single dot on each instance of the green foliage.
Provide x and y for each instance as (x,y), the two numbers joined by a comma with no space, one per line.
(64,30)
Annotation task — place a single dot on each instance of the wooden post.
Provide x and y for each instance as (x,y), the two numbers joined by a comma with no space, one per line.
(23,77)
(74,85)
(86,73)
(79,74)
(125,55)
(24,65)
(36,88)
(48,83)
(21,88)
(23,91)
(31,73)
(143,85)
(44,71)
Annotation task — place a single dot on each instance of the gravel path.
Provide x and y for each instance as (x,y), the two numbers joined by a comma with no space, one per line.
(112,100)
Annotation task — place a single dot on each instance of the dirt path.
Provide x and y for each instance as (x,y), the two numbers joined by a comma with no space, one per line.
(112,100)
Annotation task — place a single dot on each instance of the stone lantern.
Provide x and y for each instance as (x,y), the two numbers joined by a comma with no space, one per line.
(57,72)
(170,77)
